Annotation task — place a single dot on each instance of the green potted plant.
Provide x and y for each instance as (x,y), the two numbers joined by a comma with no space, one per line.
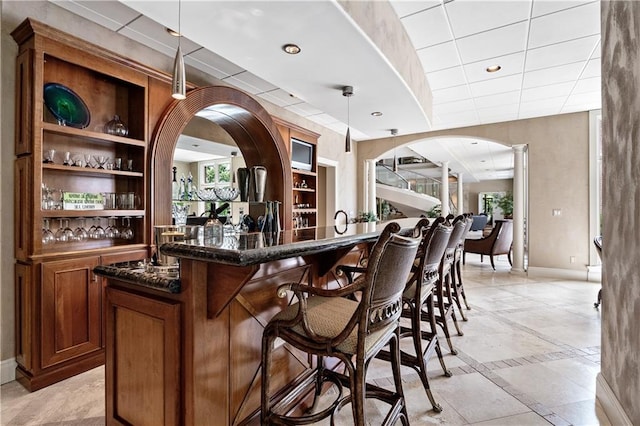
(505,203)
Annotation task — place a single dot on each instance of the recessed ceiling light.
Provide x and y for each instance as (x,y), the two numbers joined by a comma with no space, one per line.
(173,32)
(291,49)
(483,161)
(494,68)
(376,113)
(195,145)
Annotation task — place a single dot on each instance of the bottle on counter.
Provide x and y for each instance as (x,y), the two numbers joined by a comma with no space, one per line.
(181,188)
(175,188)
(213,230)
(189,189)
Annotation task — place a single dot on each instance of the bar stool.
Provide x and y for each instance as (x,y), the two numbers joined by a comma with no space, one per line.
(326,323)
(443,295)
(457,286)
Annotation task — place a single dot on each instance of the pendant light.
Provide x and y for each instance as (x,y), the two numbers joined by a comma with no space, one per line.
(394,132)
(179,82)
(348,92)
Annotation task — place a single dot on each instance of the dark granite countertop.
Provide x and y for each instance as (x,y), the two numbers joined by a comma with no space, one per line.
(250,249)
(135,273)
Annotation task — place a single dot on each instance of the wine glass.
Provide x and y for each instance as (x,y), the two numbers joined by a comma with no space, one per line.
(101,160)
(112,230)
(87,160)
(80,233)
(47,235)
(64,233)
(67,159)
(126,233)
(96,232)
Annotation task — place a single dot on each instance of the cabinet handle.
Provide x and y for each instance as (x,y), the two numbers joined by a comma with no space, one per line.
(95,277)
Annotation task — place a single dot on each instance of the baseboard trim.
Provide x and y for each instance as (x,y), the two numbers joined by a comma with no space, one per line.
(8,370)
(594,273)
(610,404)
(569,274)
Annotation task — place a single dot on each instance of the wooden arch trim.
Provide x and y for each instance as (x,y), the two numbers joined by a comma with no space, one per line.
(246,121)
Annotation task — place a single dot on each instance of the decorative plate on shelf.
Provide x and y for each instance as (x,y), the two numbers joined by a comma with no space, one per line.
(66,106)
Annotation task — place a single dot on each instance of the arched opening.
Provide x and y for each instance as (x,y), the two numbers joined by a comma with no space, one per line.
(245,120)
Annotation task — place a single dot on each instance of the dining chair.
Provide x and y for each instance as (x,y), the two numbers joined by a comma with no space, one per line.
(326,323)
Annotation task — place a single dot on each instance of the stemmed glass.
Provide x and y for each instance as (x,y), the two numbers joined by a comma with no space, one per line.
(87,160)
(101,160)
(112,230)
(49,155)
(80,234)
(96,232)
(47,235)
(126,233)
(64,233)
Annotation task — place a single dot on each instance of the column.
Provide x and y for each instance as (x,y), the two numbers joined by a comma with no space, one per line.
(444,189)
(460,195)
(518,207)
(371,186)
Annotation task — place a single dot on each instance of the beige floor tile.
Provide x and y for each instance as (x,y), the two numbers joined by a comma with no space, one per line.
(544,384)
(476,398)
(526,419)
(499,346)
(583,413)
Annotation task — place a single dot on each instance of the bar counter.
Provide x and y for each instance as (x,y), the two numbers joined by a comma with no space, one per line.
(191,356)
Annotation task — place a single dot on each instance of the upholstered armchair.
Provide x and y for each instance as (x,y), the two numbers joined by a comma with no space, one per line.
(496,243)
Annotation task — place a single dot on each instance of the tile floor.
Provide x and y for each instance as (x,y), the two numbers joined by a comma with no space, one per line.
(529,356)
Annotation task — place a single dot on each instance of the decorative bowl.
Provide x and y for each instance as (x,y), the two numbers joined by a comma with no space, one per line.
(207,194)
(227,193)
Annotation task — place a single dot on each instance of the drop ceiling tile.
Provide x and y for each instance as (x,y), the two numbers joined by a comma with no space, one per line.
(467,117)
(585,85)
(548,104)
(510,64)
(547,76)
(427,28)
(446,78)
(532,112)
(451,94)
(404,8)
(544,7)
(212,63)
(566,25)
(500,113)
(471,17)
(113,15)
(154,35)
(249,83)
(580,99)
(593,69)
(507,98)
(598,51)
(323,119)
(303,109)
(280,98)
(497,85)
(453,107)
(542,92)
(438,57)
(494,43)
(561,53)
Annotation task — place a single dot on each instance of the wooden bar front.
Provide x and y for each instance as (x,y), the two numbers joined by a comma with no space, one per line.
(193,358)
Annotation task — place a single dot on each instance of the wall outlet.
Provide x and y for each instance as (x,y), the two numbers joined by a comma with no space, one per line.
(572,259)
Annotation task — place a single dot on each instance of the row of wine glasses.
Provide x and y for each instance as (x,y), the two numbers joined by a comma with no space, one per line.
(77,159)
(65,233)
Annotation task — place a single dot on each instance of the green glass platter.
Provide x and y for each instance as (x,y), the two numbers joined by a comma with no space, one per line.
(66,106)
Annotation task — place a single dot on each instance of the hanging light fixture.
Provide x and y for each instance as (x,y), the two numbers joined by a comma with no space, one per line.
(179,81)
(348,92)
(394,132)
